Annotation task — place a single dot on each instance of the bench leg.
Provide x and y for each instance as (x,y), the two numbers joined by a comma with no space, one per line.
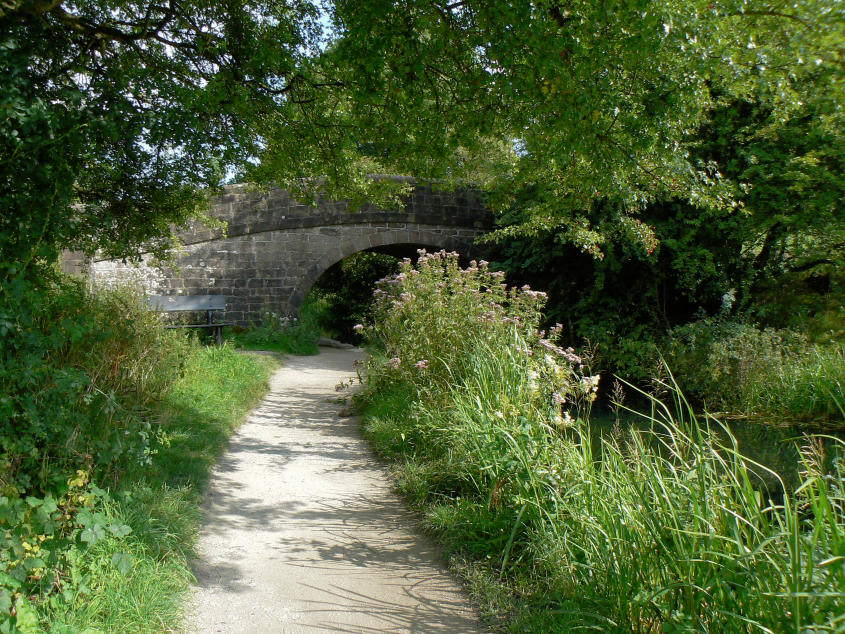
(219,330)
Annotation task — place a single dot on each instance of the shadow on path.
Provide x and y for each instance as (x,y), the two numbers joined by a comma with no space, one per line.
(302,532)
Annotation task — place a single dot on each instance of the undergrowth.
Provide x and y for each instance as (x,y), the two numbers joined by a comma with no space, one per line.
(773,375)
(279,333)
(110,426)
(661,527)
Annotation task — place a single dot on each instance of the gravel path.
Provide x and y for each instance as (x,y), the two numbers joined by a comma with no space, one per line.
(302,531)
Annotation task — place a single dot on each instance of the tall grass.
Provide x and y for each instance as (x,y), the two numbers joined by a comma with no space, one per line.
(661,528)
(110,426)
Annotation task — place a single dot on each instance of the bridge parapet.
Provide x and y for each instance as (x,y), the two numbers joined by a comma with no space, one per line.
(275,248)
(247,211)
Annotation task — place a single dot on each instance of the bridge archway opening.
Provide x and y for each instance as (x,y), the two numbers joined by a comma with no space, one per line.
(341,294)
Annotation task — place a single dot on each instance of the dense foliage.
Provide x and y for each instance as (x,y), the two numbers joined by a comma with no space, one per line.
(114,114)
(343,295)
(109,423)
(769,375)
(658,527)
(78,374)
(77,378)
(778,262)
(628,303)
(592,108)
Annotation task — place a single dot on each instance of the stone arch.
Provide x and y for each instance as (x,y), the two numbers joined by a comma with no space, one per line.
(428,239)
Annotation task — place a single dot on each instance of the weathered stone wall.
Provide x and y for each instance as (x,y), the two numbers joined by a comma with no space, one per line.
(275,248)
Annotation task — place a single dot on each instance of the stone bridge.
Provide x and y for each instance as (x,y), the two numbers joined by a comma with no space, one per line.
(274,248)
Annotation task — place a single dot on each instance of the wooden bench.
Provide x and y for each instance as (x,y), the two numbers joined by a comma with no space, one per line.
(191,304)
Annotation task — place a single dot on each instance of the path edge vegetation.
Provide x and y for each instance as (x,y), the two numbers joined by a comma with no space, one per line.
(132,419)
(662,527)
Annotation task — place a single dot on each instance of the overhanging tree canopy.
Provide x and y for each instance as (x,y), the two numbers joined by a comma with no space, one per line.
(114,114)
(598,102)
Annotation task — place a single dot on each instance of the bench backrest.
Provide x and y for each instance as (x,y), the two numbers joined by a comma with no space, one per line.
(176,303)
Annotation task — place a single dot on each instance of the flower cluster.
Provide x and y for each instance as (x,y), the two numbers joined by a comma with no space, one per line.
(442,315)
(568,354)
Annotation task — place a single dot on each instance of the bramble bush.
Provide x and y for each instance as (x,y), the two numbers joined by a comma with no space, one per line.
(109,427)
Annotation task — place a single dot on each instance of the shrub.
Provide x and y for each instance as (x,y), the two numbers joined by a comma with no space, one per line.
(775,374)
(80,375)
(430,321)
(77,373)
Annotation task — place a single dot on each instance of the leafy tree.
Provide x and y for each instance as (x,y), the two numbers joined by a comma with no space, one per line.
(114,116)
(594,107)
(793,184)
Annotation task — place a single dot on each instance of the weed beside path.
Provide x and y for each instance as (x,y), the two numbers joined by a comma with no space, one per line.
(134,577)
(665,527)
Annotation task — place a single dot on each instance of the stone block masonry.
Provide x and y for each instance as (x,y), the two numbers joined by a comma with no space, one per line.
(274,248)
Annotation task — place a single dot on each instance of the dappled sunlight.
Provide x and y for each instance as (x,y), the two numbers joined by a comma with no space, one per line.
(302,532)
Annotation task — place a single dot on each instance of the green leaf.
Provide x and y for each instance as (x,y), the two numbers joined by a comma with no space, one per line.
(27,618)
(5,601)
(123,562)
(9,581)
(31,563)
(93,534)
(85,518)
(120,530)
(49,504)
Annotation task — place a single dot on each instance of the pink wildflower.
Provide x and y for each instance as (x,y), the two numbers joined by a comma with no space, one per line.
(394,362)
(422,364)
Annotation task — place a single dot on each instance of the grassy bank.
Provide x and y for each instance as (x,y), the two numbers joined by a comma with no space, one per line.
(660,527)
(136,582)
(112,425)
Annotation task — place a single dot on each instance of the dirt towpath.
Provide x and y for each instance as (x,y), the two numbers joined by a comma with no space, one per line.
(302,531)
